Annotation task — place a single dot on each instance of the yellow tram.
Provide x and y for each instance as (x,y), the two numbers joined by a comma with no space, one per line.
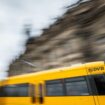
(76,85)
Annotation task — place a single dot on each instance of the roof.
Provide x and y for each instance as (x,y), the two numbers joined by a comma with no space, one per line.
(59,69)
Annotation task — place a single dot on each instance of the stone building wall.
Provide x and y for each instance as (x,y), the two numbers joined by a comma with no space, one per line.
(77,37)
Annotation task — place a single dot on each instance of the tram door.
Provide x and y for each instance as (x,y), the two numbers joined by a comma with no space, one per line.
(99,81)
(40,94)
(33,94)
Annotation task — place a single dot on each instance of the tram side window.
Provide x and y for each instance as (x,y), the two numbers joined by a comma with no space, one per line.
(54,88)
(23,90)
(100,84)
(2,92)
(10,91)
(17,90)
(76,86)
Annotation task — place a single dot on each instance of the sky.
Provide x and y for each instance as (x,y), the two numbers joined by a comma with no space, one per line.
(14,14)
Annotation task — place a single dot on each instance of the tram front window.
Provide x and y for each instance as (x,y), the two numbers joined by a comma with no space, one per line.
(100,84)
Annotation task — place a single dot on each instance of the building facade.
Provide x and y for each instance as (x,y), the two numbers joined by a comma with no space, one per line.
(77,37)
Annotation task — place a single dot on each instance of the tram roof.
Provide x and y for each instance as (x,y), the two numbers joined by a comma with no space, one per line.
(58,69)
